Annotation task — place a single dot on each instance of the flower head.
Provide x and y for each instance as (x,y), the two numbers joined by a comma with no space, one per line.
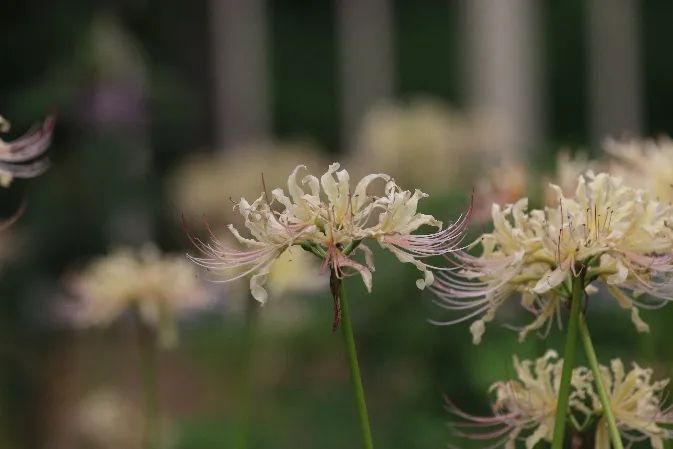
(616,235)
(526,405)
(20,158)
(159,286)
(646,164)
(332,219)
(637,403)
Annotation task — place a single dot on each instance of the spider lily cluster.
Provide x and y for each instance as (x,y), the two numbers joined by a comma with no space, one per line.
(524,408)
(332,220)
(613,234)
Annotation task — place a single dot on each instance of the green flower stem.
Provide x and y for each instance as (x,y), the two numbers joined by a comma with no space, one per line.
(600,386)
(349,341)
(149,360)
(351,247)
(568,360)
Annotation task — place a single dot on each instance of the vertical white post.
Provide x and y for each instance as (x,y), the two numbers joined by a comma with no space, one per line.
(503,78)
(365,34)
(240,70)
(615,93)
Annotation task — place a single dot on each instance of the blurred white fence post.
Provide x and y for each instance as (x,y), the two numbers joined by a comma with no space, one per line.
(365,34)
(503,77)
(240,70)
(614,68)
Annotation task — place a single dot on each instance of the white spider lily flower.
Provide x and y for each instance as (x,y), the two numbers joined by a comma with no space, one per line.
(606,217)
(621,235)
(525,406)
(617,234)
(159,286)
(646,164)
(637,404)
(327,217)
(21,158)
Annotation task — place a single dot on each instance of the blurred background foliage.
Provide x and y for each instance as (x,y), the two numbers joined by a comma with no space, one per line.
(132,82)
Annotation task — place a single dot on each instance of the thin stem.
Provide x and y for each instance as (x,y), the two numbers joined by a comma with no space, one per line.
(568,360)
(349,342)
(600,386)
(149,360)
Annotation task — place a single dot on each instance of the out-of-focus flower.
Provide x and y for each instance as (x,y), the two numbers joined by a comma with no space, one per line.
(619,235)
(198,184)
(421,143)
(503,184)
(328,218)
(637,404)
(569,168)
(21,158)
(158,286)
(104,419)
(646,164)
(527,405)
(509,181)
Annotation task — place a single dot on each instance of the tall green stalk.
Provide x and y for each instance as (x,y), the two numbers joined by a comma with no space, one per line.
(600,386)
(351,352)
(149,361)
(568,360)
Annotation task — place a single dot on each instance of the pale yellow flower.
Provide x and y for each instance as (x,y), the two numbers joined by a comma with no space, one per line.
(422,142)
(619,235)
(158,286)
(328,217)
(646,164)
(637,404)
